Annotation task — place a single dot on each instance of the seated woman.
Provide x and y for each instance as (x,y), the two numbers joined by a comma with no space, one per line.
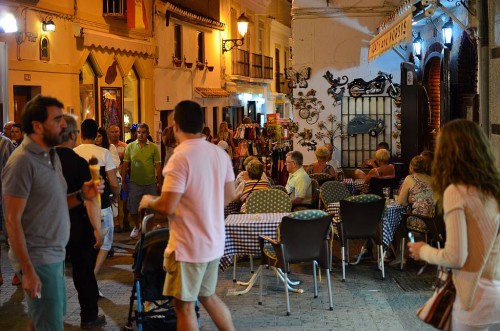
(255,169)
(416,191)
(384,169)
(321,165)
(243,176)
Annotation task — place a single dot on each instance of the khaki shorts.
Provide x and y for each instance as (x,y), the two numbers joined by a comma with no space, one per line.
(187,281)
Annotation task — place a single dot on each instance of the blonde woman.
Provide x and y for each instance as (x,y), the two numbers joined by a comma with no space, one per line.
(384,169)
(416,191)
(321,165)
(466,182)
(224,135)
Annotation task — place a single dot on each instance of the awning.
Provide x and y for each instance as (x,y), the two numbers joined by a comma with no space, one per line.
(113,42)
(187,15)
(211,92)
(396,32)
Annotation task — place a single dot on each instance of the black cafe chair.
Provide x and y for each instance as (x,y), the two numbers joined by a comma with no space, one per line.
(300,240)
(360,220)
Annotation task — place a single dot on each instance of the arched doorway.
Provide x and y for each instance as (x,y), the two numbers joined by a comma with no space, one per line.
(436,82)
(432,84)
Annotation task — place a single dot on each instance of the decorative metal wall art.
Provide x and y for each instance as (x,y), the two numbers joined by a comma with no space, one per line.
(309,106)
(298,78)
(377,85)
(305,139)
(329,130)
(337,89)
(365,124)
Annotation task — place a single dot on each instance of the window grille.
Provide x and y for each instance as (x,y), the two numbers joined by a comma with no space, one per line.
(241,63)
(114,8)
(268,67)
(357,148)
(256,66)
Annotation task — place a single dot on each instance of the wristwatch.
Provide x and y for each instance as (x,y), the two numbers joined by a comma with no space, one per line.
(79,196)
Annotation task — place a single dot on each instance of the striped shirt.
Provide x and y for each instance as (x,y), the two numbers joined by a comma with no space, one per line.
(252,185)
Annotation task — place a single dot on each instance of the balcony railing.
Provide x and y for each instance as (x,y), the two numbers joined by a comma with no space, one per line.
(260,66)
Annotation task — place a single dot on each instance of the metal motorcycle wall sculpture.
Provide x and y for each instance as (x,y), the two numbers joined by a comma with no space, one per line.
(378,85)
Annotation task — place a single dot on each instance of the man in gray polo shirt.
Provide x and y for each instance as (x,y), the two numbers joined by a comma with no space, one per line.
(36,212)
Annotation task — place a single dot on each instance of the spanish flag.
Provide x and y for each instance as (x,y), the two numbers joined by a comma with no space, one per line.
(136,15)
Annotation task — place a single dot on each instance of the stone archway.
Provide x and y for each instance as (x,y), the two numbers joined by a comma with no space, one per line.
(432,84)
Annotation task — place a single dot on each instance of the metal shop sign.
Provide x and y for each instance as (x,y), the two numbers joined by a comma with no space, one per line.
(399,32)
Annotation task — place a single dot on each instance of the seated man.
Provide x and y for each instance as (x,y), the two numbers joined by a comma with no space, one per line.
(255,169)
(298,185)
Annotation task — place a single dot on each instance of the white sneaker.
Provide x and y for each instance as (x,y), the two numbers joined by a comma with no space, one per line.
(135,232)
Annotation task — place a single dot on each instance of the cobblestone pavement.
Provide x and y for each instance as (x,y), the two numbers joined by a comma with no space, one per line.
(363,302)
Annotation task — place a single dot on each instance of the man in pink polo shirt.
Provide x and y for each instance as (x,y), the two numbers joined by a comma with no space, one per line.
(198,184)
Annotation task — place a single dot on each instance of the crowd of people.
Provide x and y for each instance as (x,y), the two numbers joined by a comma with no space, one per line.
(47,177)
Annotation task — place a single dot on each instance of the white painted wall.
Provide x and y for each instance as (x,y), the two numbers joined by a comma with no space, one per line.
(174,84)
(338,44)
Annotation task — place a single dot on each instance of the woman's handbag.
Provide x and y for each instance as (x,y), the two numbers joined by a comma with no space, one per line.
(437,310)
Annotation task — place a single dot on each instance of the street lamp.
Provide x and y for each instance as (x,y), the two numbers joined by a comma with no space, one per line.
(447,31)
(242,29)
(8,23)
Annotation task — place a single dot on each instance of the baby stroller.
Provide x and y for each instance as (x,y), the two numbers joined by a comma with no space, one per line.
(154,310)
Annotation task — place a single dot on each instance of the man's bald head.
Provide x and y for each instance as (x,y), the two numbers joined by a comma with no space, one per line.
(7,128)
(113,134)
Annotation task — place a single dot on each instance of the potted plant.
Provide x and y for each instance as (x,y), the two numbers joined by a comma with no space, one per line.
(200,65)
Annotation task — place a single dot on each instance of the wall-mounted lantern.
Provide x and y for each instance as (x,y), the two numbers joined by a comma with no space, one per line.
(417,46)
(242,29)
(447,31)
(48,24)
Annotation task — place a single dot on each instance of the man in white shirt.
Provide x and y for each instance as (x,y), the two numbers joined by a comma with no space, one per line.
(87,150)
(197,172)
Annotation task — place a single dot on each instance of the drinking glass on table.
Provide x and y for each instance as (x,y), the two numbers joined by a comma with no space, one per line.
(387,192)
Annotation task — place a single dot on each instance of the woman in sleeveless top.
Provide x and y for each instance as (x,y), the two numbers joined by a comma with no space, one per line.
(384,170)
(321,165)
(416,191)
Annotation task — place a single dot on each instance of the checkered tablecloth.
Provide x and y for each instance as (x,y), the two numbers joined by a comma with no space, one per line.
(356,186)
(242,234)
(232,208)
(391,219)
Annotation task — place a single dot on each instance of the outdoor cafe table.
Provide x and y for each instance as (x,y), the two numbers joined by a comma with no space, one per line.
(391,219)
(356,186)
(242,238)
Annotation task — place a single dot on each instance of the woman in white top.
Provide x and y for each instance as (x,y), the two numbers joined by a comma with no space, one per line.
(466,182)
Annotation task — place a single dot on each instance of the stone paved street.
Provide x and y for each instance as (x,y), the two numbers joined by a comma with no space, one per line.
(363,302)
